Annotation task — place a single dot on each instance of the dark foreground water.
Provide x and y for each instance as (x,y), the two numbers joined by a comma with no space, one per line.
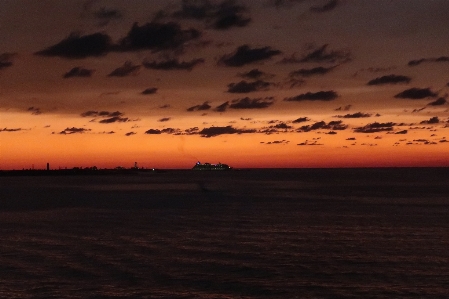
(360,233)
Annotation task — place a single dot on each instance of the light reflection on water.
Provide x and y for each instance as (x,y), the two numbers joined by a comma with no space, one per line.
(233,235)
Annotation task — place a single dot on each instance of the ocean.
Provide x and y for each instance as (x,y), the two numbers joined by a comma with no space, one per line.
(259,233)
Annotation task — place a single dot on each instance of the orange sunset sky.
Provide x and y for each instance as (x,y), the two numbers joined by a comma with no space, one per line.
(269,83)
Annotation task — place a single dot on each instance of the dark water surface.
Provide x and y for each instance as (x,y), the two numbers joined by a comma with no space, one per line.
(339,233)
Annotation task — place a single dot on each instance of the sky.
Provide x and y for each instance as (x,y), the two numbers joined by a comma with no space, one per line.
(253,84)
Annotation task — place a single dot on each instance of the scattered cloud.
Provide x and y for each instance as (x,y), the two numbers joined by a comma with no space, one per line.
(332,4)
(173,64)
(256,74)
(314,96)
(11,130)
(157,37)
(93,113)
(438,102)
(153,132)
(78,72)
(307,142)
(345,108)
(115,119)
(311,72)
(222,107)
(73,130)
(245,55)
(246,103)
(425,60)
(164,119)
(245,87)
(390,79)
(432,120)
(127,69)
(215,131)
(276,142)
(416,93)
(106,15)
(319,55)
(76,46)
(150,90)
(34,110)
(150,36)
(332,125)
(354,115)
(130,133)
(219,16)
(375,127)
(201,107)
(6,60)
(300,120)
(403,132)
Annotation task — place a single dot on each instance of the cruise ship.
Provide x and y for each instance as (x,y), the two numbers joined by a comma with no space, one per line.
(208,166)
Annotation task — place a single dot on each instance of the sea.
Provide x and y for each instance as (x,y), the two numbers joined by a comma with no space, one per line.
(250,233)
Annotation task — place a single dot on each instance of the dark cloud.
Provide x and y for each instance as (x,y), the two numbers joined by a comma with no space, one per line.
(150,90)
(283,3)
(311,72)
(422,60)
(403,132)
(107,14)
(256,74)
(229,14)
(332,4)
(130,133)
(332,125)
(215,131)
(438,102)
(222,107)
(416,93)
(127,69)
(354,115)
(164,119)
(191,131)
(390,79)
(277,142)
(11,130)
(76,46)
(78,72)
(314,142)
(107,133)
(114,119)
(345,108)
(6,60)
(281,125)
(34,110)
(171,131)
(320,54)
(247,103)
(220,16)
(153,131)
(157,36)
(245,87)
(432,120)
(375,127)
(314,96)
(245,55)
(203,106)
(92,113)
(73,130)
(300,120)
(173,64)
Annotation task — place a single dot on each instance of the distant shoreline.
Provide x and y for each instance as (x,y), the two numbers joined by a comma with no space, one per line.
(138,171)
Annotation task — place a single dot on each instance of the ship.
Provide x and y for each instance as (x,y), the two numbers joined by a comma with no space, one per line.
(208,166)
